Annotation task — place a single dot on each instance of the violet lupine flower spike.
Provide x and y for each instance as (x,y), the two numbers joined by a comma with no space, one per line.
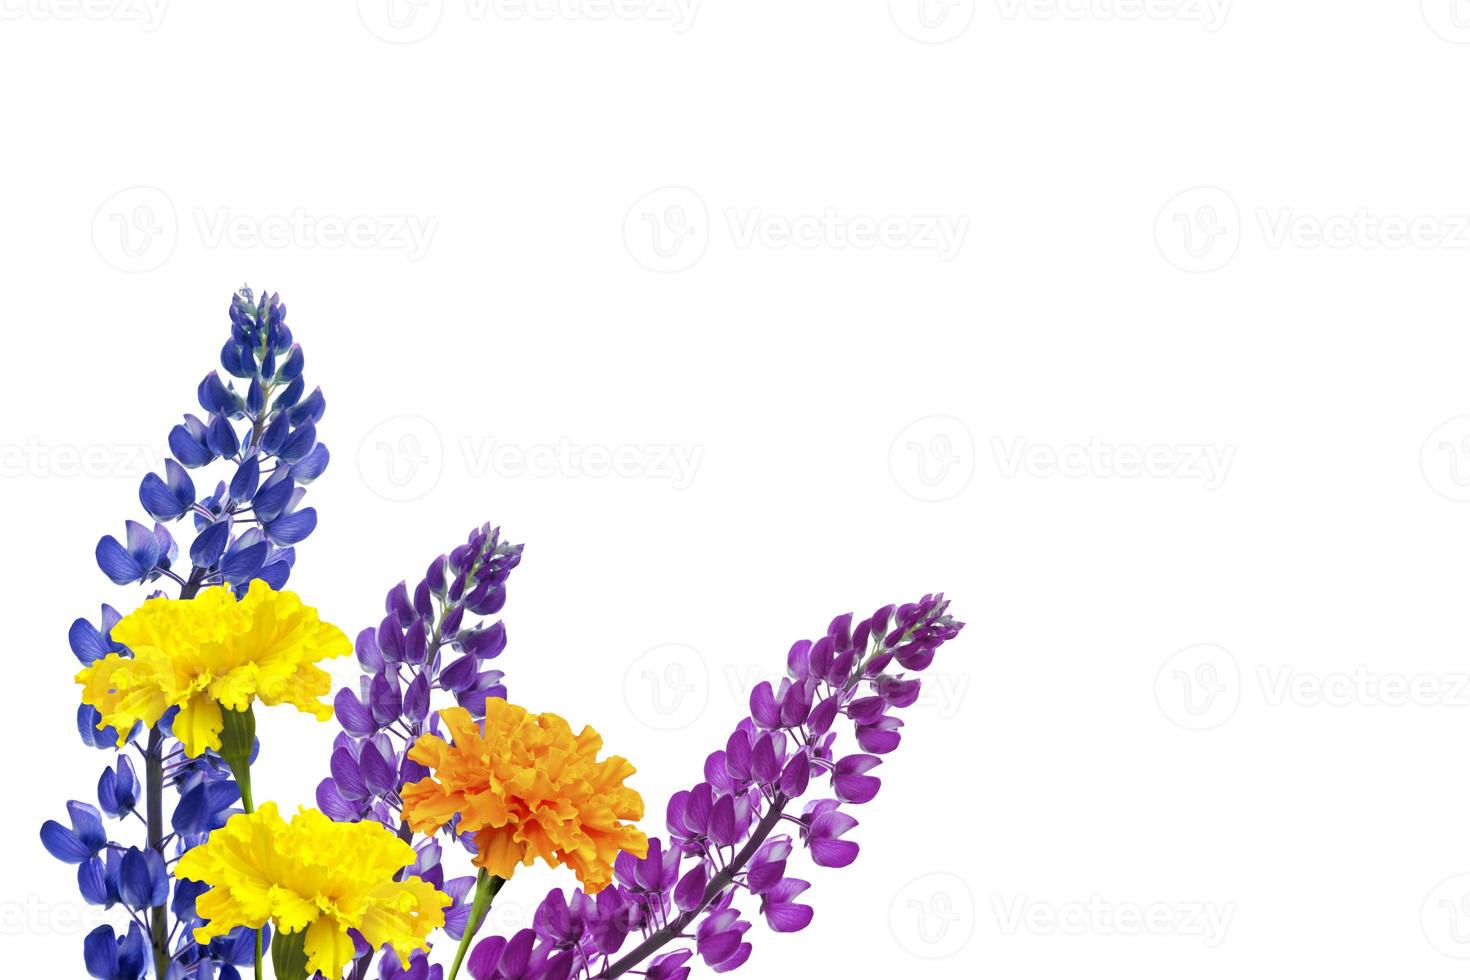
(422,646)
(721,832)
(246,529)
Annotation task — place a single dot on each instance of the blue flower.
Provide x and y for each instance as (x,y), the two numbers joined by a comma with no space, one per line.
(144,881)
(169,497)
(117,790)
(147,554)
(110,958)
(83,840)
(90,643)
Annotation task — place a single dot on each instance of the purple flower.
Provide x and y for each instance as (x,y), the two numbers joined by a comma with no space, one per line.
(721,840)
(422,647)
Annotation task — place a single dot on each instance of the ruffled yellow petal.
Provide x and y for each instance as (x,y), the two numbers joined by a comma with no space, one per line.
(328,947)
(401,914)
(198,725)
(316,875)
(265,646)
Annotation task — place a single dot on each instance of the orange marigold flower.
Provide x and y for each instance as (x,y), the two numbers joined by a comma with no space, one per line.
(529,789)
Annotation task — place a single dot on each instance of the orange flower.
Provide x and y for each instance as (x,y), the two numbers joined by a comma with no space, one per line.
(529,789)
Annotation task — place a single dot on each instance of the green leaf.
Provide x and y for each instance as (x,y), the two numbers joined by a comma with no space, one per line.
(288,955)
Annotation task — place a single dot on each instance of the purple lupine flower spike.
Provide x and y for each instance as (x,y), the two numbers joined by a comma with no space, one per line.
(721,842)
(423,645)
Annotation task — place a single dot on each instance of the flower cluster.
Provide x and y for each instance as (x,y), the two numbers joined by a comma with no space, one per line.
(423,646)
(528,789)
(197,656)
(260,426)
(317,878)
(429,746)
(267,433)
(722,839)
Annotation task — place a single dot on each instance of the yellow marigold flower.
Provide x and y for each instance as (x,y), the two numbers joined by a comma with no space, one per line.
(316,875)
(529,789)
(198,654)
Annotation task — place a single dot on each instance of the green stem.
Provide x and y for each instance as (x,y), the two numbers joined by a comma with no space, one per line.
(237,743)
(487,886)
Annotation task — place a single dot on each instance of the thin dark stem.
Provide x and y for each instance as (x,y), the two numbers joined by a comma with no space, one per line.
(715,889)
(158,928)
(153,776)
(675,927)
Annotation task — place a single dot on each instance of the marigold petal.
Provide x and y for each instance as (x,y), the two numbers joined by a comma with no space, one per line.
(198,725)
(328,947)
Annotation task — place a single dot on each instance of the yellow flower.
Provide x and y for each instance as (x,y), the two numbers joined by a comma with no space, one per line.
(198,654)
(316,875)
(529,789)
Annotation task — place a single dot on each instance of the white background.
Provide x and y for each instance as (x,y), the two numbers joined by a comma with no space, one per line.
(1189,374)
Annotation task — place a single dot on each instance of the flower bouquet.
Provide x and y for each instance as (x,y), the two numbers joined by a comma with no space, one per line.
(440,788)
